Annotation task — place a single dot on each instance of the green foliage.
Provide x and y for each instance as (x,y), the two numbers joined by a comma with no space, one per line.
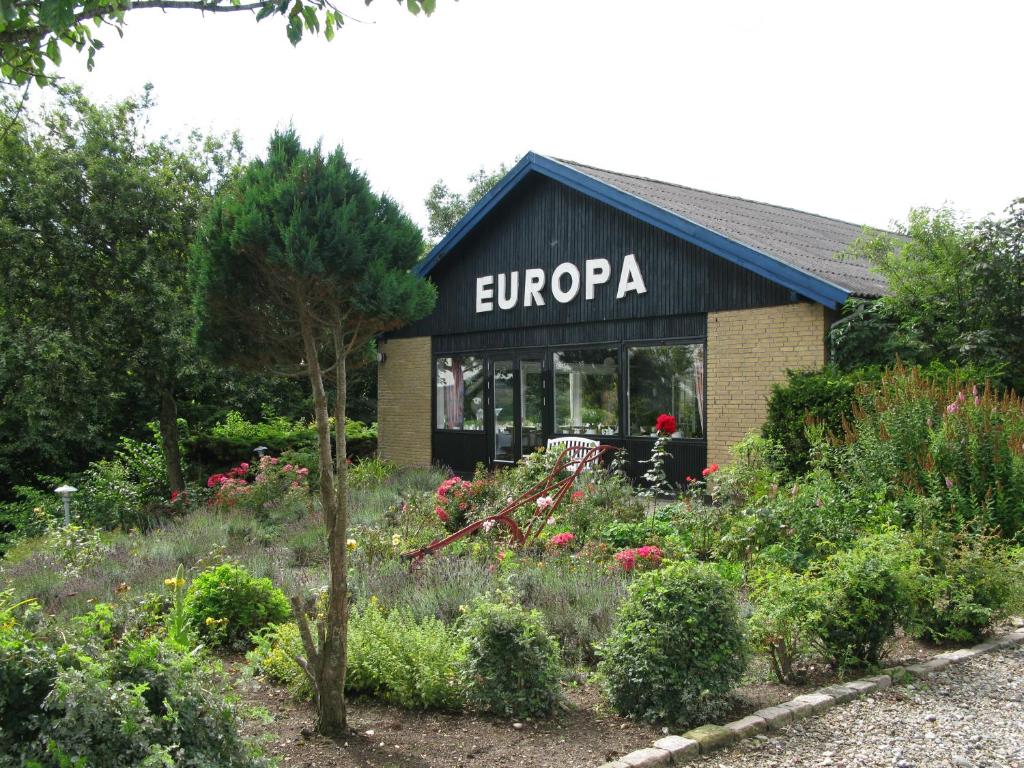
(958,443)
(275,649)
(226,605)
(862,595)
(824,397)
(626,535)
(511,665)
(955,292)
(445,207)
(104,694)
(370,472)
(778,625)
(126,491)
(974,582)
(677,647)
(411,662)
(33,32)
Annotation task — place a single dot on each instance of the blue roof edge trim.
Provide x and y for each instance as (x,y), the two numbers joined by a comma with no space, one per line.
(804,283)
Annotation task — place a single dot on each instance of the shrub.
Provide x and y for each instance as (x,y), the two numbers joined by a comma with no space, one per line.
(511,665)
(778,624)
(275,648)
(411,662)
(370,472)
(973,584)
(625,535)
(118,704)
(677,648)
(226,605)
(861,596)
(824,396)
(127,491)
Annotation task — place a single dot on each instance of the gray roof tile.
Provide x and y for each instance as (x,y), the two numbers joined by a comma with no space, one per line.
(806,241)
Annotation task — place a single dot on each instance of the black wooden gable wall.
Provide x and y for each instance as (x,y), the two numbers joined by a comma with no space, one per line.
(542,224)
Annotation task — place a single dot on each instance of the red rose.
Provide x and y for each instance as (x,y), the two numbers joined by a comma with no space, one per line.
(665,424)
(441,514)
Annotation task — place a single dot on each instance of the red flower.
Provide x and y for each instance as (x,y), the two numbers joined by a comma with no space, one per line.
(665,424)
(577,496)
(709,470)
(175,495)
(441,514)
(561,539)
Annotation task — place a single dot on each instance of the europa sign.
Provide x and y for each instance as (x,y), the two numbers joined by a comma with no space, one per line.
(507,290)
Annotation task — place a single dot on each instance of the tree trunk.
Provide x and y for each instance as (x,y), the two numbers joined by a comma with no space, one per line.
(328,665)
(169,439)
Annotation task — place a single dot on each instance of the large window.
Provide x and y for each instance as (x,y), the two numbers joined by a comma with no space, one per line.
(667,379)
(460,393)
(587,392)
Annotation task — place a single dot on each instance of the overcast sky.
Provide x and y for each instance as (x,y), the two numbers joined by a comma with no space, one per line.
(857,110)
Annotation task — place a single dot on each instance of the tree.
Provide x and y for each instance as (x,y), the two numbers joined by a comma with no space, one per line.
(956,294)
(32,31)
(95,325)
(445,207)
(299,265)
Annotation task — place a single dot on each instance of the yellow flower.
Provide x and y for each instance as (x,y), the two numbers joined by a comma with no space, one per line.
(37,511)
(463,609)
(396,540)
(168,582)
(209,620)
(351,544)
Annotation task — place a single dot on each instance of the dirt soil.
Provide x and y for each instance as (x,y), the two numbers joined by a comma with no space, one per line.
(584,733)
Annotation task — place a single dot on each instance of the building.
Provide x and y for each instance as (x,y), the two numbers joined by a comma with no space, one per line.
(574,300)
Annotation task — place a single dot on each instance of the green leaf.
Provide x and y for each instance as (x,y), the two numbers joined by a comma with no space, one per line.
(428,6)
(53,51)
(312,22)
(413,6)
(266,10)
(294,30)
(8,11)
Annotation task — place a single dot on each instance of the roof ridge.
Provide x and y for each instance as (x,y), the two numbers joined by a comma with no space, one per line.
(718,194)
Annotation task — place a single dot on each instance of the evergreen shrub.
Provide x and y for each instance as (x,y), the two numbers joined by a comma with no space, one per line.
(677,647)
(511,665)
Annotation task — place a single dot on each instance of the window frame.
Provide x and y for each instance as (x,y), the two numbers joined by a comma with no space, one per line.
(484,363)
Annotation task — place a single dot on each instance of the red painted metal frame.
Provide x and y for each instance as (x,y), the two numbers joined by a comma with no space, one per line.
(575,459)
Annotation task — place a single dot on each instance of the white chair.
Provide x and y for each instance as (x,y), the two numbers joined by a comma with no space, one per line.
(579,446)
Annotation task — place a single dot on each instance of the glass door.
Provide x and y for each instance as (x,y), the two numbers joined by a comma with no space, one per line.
(503,412)
(516,408)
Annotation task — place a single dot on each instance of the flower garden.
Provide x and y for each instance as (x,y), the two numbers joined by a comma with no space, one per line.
(666,607)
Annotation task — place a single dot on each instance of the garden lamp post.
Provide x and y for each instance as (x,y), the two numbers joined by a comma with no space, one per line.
(65,492)
(259,450)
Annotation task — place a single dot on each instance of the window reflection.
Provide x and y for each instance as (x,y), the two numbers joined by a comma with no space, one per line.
(667,379)
(587,391)
(460,393)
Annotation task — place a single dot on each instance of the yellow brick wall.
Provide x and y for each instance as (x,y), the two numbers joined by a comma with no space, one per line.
(403,402)
(748,351)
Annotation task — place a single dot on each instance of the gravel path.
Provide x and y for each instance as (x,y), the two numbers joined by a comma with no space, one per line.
(970,715)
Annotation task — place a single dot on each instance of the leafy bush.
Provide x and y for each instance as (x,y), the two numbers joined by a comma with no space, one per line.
(411,662)
(778,625)
(511,664)
(113,702)
(370,472)
(623,535)
(861,595)
(275,648)
(824,396)
(226,605)
(235,438)
(126,491)
(974,583)
(960,444)
(677,647)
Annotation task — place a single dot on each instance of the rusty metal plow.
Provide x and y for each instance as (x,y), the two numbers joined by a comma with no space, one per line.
(574,459)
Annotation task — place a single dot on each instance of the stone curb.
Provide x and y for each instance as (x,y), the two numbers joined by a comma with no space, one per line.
(677,750)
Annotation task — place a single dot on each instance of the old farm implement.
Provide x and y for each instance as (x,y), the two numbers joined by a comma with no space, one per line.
(571,463)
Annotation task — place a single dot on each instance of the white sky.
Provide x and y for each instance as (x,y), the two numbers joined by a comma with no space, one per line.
(858,110)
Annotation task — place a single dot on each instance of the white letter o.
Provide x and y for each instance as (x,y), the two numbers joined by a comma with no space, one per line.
(566,268)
